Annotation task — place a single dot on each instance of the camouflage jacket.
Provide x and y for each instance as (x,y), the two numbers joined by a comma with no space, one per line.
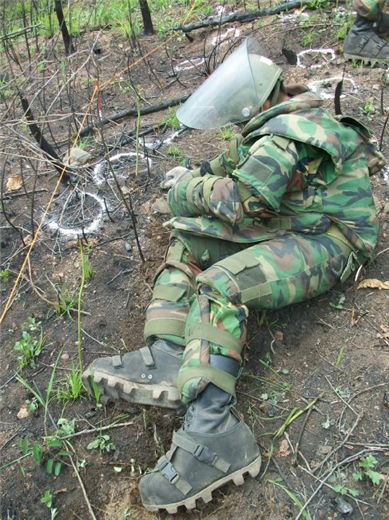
(294,168)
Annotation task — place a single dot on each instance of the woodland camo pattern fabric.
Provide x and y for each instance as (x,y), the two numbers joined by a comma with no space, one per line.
(280,217)
(370,9)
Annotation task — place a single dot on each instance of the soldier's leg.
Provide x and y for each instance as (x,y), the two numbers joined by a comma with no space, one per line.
(209,450)
(148,375)
(363,42)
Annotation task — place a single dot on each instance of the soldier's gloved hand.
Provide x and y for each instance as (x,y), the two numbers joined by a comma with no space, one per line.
(175,175)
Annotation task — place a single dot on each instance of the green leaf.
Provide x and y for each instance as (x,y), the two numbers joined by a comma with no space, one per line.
(55,443)
(47,498)
(368,462)
(93,444)
(353,492)
(49,466)
(374,476)
(57,468)
(24,446)
(357,475)
(37,453)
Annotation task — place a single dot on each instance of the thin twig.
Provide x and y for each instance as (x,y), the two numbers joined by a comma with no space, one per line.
(97,429)
(340,397)
(337,448)
(81,483)
(359,393)
(296,449)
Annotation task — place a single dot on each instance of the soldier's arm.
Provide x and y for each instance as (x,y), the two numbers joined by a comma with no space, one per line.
(264,175)
(206,195)
(256,185)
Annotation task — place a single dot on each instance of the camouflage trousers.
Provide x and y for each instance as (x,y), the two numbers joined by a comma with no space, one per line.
(204,290)
(370,9)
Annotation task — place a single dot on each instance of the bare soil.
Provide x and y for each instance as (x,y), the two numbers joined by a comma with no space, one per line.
(334,348)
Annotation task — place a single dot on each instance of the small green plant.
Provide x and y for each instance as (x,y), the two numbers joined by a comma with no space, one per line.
(97,393)
(341,484)
(339,304)
(342,489)
(4,276)
(318,4)
(343,393)
(296,501)
(29,347)
(174,151)
(340,356)
(47,500)
(226,133)
(308,39)
(6,90)
(366,470)
(171,120)
(310,21)
(345,27)
(369,108)
(32,404)
(102,443)
(67,302)
(72,388)
(86,267)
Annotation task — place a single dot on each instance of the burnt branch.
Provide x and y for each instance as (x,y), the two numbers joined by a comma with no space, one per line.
(116,116)
(240,16)
(146,17)
(67,39)
(43,144)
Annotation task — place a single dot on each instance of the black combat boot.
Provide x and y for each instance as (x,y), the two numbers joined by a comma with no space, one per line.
(145,376)
(363,43)
(213,447)
(383,25)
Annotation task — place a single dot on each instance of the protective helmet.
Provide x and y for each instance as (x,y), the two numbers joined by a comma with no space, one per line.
(234,92)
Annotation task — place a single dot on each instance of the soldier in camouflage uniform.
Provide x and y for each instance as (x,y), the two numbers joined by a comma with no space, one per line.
(282,216)
(365,40)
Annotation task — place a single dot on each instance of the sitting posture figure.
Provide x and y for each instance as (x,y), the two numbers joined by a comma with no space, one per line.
(282,216)
(365,40)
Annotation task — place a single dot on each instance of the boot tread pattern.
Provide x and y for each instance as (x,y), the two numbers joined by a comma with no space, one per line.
(237,477)
(114,388)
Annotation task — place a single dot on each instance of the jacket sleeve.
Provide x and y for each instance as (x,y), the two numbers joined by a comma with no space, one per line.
(207,195)
(266,173)
(256,185)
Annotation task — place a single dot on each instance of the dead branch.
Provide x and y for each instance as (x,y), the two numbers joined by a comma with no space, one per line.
(240,16)
(67,39)
(116,116)
(43,144)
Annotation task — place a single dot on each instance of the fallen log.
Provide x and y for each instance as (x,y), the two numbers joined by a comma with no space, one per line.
(116,116)
(241,16)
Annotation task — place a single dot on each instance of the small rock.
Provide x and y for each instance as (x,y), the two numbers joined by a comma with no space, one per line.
(343,507)
(23,412)
(128,247)
(65,356)
(77,157)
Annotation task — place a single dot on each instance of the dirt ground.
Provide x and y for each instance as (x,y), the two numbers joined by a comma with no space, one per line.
(327,358)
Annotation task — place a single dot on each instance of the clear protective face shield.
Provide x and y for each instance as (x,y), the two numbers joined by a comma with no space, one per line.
(234,92)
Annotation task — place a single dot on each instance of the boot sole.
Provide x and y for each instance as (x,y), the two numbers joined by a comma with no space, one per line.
(365,60)
(113,388)
(206,494)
